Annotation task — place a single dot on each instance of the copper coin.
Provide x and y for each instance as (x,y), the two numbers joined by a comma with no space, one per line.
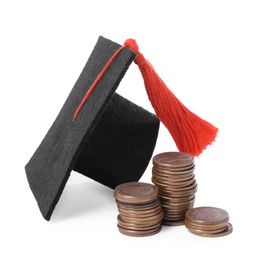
(164,185)
(134,216)
(174,219)
(173,183)
(227,231)
(206,227)
(185,188)
(173,216)
(150,205)
(172,179)
(168,171)
(179,204)
(141,229)
(135,192)
(135,225)
(179,194)
(212,231)
(168,187)
(174,169)
(140,212)
(168,213)
(169,204)
(173,159)
(175,210)
(166,222)
(138,215)
(171,173)
(178,170)
(153,219)
(138,233)
(139,226)
(207,215)
(137,207)
(170,184)
(173,200)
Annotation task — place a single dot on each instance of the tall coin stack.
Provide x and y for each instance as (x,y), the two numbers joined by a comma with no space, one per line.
(140,211)
(173,174)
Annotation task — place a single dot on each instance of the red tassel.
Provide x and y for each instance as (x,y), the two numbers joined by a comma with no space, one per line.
(190,133)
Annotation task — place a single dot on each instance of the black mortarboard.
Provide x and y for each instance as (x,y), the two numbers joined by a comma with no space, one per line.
(111,140)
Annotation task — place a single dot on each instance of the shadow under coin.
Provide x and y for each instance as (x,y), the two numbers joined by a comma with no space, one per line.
(81,198)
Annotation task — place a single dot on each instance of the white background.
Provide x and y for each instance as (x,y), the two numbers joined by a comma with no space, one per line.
(207,52)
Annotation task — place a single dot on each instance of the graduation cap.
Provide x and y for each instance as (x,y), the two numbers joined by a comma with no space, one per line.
(104,136)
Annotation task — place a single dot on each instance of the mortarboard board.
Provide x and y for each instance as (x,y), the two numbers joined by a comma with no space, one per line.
(111,141)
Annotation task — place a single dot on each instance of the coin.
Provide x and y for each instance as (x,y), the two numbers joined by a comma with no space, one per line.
(135,192)
(169,187)
(137,227)
(173,179)
(173,174)
(173,159)
(206,227)
(169,171)
(172,199)
(178,194)
(174,217)
(208,221)
(171,215)
(168,212)
(173,186)
(227,231)
(174,182)
(177,171)
(144,213)
(151,220)
(140,210)
(179,204)
(207,215)
(212,231)
(166,222)
(138,233)
(131,225)
(137,207)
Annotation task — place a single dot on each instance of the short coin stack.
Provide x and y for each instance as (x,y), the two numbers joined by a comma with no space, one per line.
(208,222)
(140,211)
(173,174)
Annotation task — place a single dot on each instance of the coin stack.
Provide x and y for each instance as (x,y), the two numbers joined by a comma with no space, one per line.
(208,222)
(140,211)
(173,174)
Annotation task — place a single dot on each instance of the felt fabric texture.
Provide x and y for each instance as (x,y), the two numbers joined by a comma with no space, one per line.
(121,146)
(111,141)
